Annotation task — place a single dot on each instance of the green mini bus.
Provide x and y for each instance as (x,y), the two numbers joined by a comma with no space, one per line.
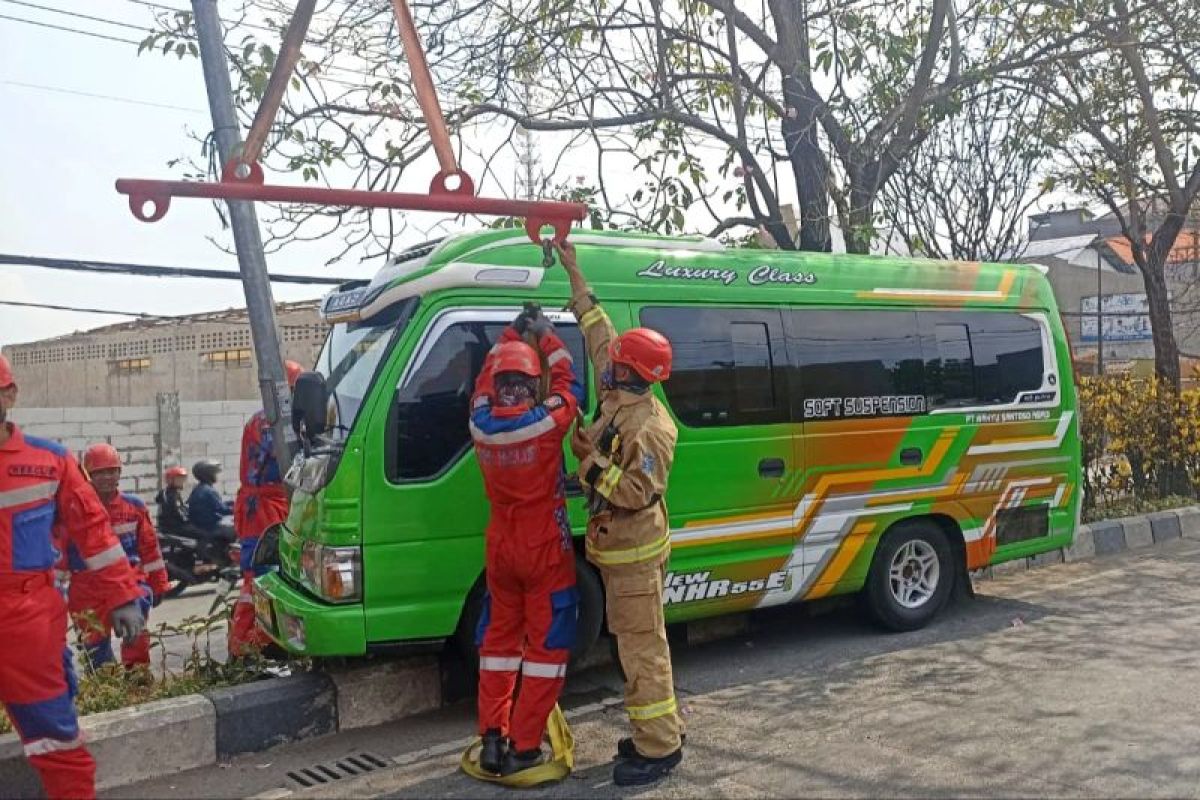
(847,424)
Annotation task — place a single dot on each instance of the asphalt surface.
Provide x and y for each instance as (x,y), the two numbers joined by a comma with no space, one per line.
(180,628)
(1074,680)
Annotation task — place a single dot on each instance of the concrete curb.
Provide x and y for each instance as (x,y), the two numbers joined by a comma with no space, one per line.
(260,715)
(129,745)
(182,733)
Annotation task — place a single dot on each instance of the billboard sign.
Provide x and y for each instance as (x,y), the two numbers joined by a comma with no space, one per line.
(1126,318)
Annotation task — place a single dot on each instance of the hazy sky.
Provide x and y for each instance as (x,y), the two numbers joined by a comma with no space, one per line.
(59,156)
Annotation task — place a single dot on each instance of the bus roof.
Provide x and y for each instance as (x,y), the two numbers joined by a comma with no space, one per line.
(629,266)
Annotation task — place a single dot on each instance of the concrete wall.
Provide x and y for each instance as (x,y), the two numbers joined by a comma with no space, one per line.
(86,369)
(150,438)
(1072,283)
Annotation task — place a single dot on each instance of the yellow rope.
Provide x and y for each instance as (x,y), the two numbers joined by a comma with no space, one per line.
(562,759)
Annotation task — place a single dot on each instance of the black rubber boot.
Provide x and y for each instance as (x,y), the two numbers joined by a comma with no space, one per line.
(626,749)
(517,761)
(640,770)
(491,757)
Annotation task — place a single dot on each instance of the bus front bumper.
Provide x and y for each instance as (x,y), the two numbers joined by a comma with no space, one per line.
(303,625)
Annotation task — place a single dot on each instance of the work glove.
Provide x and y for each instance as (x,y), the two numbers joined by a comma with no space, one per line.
(541,325)
(128,622)
(521,323)
(532,320)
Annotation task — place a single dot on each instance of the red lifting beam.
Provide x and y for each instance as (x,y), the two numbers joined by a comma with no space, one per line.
(242,176)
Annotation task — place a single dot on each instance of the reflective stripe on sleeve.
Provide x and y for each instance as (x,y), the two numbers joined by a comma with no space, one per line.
(559,355)
(500,663)
(27,494)
(125,527)
(535,669)
(591,317)
(155,566)
(609,479)
(632,555)
(105,558)
(653,710)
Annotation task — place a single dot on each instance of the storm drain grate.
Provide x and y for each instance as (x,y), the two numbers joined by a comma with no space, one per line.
(347,767)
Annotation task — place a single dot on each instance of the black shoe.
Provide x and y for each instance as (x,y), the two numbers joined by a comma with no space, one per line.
(640,770)
(491,757)
(518,761)
(625,748)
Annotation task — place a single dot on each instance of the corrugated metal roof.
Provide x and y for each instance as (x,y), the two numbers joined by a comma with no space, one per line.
(1065,248)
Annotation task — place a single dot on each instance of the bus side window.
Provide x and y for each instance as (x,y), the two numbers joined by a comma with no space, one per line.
(429,414)
(728,365)
(427,426)
(847,356)
(979,358)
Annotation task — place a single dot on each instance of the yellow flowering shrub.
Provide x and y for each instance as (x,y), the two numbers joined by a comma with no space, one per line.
(1141,442)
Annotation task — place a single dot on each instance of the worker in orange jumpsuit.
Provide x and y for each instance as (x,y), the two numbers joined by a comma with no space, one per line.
(45,498)
(625,456)
(262,501)
(131,523)
(532,605)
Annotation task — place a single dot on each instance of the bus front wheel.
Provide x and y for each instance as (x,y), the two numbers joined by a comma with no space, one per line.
(911,576)
(591,613)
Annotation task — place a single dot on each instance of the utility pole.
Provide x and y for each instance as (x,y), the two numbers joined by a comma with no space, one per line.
(260,305)
(1099,307)
(529,177)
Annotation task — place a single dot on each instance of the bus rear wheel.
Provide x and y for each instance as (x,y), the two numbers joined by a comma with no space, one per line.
(911,577)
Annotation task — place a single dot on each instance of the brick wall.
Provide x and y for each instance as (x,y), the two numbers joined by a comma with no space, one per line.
(148,439)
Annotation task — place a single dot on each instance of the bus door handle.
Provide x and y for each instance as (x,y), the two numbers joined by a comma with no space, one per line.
(771,468)
(911,456)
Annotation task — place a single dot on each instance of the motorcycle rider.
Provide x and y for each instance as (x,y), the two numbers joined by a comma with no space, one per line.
(624,457)
(206,507)
(262,501)
(44,498)
(531,605)
(131,523)
(172,508)
(173,517)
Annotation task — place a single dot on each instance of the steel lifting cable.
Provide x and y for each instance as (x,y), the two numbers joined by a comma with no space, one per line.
(242,177)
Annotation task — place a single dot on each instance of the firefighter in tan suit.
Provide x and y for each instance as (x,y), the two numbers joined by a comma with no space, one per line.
(624,458)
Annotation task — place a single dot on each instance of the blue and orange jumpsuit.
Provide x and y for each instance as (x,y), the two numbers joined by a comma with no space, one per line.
(43,496)
(531,607)
(262,501)
(131,523)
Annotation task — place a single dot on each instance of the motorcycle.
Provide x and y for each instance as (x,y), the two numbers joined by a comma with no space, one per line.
(192,562)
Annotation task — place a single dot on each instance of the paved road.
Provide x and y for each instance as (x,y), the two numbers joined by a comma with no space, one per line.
(176,629)
(185,614)
(1067,681)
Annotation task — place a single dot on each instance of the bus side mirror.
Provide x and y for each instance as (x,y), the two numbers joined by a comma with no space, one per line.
(310,404)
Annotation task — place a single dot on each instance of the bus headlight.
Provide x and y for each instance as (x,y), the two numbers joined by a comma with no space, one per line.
(332,573)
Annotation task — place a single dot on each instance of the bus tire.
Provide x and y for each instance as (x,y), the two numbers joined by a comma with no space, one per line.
(911,577)
(591,607)
(591,614)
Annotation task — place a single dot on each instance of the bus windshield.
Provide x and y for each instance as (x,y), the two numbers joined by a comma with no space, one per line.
(350,358)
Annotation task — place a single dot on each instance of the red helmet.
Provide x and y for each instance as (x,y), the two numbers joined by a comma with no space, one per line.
(175,472)
(517,357)
(293,371)
(101,456)
(647,352)
(6,376)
